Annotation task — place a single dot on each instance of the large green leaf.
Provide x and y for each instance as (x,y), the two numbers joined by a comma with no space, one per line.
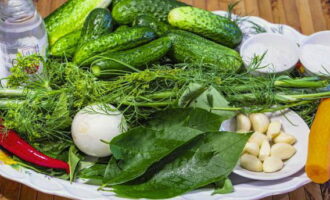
(211,157)
(136,150)
(195,118)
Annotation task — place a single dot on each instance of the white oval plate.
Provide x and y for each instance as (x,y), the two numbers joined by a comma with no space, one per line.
(293,124)
(245,189)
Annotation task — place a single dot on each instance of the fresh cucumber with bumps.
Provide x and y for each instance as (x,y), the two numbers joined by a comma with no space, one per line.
(138,58)
(115,2)
(70,17)
(161,28)
(206,24)
(122,28)
(126,11)
(99,22)
(66,45)
(191,48)
(116,41)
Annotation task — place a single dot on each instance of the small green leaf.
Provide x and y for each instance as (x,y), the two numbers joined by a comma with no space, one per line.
(223,187)
(211,98)
(74,160)
(193,91)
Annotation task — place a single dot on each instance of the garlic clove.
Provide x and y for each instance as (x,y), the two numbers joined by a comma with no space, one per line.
(243,123)
(251,148)
(251,163)
(272,164)
(260,122)
(264,150)
(257,138)
(283,151)
(285,138)
(274,129)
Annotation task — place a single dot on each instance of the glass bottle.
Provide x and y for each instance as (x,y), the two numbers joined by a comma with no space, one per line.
(22,31)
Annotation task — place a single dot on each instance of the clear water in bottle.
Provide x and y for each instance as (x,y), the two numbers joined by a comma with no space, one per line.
(22,31)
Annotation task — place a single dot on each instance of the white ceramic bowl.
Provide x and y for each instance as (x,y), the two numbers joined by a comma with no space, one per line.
(320,38)
(285,50)
(293,124)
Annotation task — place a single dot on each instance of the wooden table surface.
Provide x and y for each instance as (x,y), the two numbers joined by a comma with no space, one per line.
(307,16)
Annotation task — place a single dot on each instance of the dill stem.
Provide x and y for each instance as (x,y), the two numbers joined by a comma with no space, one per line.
(162,95)
(148,104)
(299,83)
(9,103)
(283,107)
(227,108)
(300,97)
(10,93)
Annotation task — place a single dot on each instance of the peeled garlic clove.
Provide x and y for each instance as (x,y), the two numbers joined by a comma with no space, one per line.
(251,148)
(274,129)
(285,138)
(257,138)
(283,151)
(264,150)
(243,123)
(272,164)
(260,122)
(251,163)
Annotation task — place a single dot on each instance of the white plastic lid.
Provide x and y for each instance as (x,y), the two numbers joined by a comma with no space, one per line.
(281,54)
(315,54)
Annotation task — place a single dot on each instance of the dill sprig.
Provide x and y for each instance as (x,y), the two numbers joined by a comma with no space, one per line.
(50,100)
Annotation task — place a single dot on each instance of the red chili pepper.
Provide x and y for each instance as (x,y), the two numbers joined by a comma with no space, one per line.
(17,146)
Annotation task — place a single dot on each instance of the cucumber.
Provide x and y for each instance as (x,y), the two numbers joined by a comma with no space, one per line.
(206,24)
(115,2)
(191,48)
(117,41)
(138,58)
(122,28)
(161,28)
(98,23)
(70,17)
(66,45)
(126,11)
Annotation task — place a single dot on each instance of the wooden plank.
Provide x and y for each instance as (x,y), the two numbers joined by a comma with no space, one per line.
(267,198)
(282,197)
(292,16)
(223,4)
(200,4)
(190,2)
(305,16)
(61,198)
(252,7)
(279,15)
(43,7)
(28,193)
(212,5)
(314,191)
(43,196)
(318,17)
(298,194)
(265,10)
(240,8)
(9,190)
(326,12)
